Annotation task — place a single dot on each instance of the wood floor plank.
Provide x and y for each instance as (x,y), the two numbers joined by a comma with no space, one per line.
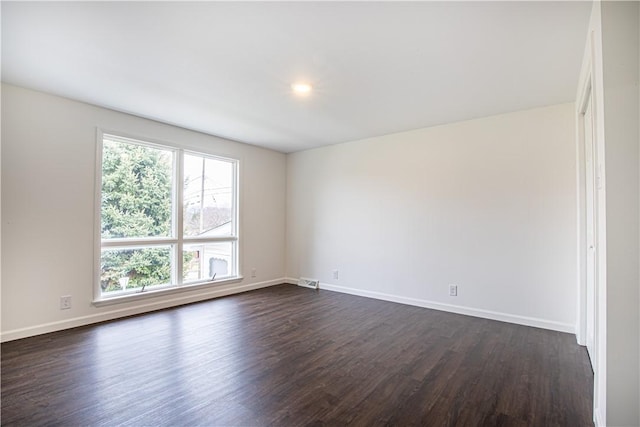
(291,356)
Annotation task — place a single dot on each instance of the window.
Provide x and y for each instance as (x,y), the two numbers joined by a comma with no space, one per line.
(168,217)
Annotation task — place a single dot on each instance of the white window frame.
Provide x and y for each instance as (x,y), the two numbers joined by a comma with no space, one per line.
(177,240)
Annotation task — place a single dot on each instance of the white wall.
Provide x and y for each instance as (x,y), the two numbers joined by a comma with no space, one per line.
(620,26)
(48,174)
(486,204)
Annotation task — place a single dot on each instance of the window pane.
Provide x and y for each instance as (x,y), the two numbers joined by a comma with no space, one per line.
(208,197)
(127,269)
(136,190)
(203,260)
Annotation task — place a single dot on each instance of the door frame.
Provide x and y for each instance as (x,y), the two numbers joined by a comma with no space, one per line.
(588,247)
(590,85)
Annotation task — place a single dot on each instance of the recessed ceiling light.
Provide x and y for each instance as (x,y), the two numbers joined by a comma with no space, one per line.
(301,88)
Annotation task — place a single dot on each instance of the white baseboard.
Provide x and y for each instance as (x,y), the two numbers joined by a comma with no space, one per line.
(598,420)
(187,299)
(468,311)
(178,299)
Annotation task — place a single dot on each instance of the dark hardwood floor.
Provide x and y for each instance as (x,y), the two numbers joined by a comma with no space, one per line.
(290,356)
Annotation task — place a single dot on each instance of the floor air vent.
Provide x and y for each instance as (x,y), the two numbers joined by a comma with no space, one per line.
(308,283)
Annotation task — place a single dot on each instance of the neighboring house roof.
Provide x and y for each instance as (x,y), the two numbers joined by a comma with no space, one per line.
(220,230)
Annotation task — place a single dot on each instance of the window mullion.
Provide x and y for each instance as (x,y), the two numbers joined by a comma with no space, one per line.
(191,240)
(142,242)
(179,268)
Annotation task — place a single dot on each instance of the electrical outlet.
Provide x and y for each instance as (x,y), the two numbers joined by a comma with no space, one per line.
(65,302)
(335,274)
(453,290)
(253,272)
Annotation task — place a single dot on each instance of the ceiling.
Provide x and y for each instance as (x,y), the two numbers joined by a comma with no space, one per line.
(226,68)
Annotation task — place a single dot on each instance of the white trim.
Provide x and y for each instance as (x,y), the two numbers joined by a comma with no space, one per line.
(236,245)
(97,215)
(166,289)
(130,311)
(467,311)
(585,93)
(598,418)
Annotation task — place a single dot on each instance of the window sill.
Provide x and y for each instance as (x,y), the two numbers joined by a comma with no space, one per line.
(160,292)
